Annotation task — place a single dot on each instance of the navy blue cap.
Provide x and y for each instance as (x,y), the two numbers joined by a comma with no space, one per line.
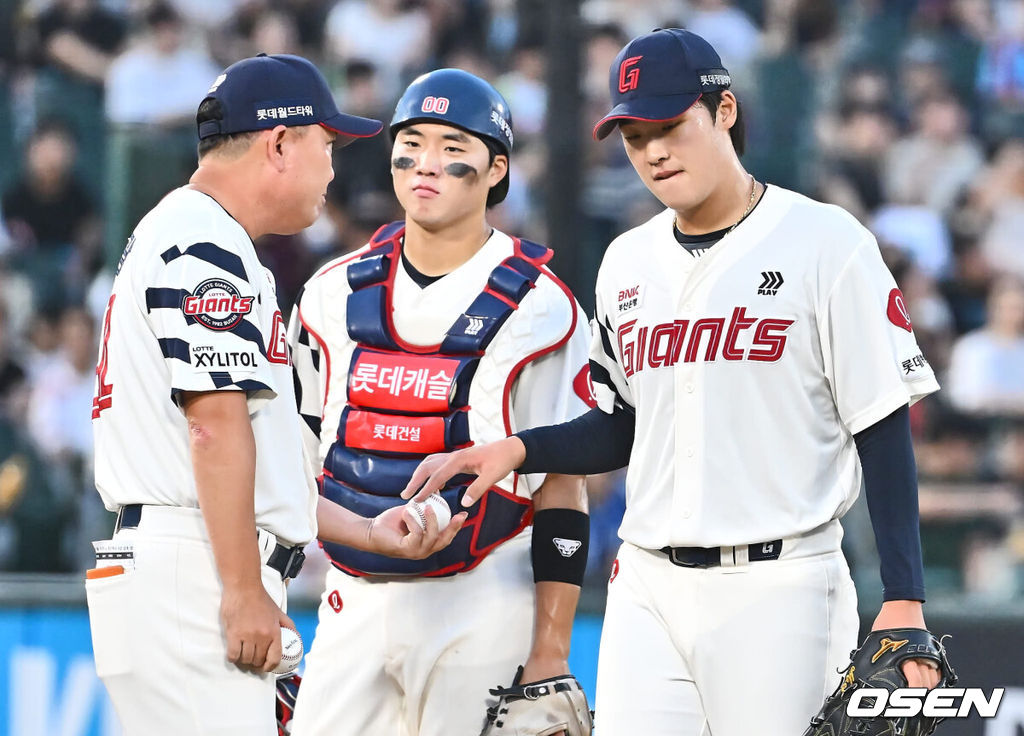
(659,76)
(262,92)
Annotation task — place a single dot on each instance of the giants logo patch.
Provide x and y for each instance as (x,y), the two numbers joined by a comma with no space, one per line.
(217,305)
(897,310)
(629,74)
(666,344)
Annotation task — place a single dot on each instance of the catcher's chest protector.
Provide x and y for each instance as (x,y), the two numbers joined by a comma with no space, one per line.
(406,402)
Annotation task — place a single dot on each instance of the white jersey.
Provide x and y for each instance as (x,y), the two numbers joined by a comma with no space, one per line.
(193,309)
(550,388)
(750,369)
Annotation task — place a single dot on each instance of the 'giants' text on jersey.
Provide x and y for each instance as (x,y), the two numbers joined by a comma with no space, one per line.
(707,339)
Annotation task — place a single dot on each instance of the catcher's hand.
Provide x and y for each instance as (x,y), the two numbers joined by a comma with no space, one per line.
(543,708)
(877,665)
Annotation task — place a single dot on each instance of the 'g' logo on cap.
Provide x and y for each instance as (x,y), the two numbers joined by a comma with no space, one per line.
(629,74)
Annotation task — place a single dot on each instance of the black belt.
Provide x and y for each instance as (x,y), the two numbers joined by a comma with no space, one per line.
(712,556)
(286,560)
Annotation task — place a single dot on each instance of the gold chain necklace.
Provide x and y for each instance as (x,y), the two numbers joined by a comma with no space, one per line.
(750,205)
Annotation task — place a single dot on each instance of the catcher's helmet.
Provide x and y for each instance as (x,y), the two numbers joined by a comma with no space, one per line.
(458,98)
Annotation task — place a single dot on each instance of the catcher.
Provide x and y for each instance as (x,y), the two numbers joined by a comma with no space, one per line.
(444,332)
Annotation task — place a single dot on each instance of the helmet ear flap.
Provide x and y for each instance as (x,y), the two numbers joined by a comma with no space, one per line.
(497,193)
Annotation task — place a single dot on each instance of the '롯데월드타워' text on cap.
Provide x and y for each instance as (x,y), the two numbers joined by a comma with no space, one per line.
(262,92)
(660,75)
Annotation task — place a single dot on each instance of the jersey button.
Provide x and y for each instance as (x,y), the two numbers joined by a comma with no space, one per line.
(689,452)
(689,388)
(686,514)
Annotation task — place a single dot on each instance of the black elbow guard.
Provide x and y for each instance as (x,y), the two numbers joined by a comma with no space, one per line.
(561,539)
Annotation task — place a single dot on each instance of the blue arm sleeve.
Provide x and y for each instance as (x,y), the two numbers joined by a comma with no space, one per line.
(592,443)
(890,484)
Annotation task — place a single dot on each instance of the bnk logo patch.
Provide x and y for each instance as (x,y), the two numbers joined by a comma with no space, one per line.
(217,305)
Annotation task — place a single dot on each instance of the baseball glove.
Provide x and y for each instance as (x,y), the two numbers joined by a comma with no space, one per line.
(877,665)
(542,708)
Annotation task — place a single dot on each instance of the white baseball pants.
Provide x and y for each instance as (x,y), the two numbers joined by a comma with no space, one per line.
(157,637)
(416,656)
(747,648)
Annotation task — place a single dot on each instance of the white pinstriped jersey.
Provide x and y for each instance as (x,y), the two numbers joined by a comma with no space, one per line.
(749,370)
(193,309)
(548,390)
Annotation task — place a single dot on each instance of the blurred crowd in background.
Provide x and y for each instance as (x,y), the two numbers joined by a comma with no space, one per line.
(908,113)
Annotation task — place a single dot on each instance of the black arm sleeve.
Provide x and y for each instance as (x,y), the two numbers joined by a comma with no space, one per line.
(593,443)
(890,484)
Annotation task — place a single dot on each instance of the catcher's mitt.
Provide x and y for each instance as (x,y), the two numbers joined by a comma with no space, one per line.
(877,665)
(287,691)
(541,708)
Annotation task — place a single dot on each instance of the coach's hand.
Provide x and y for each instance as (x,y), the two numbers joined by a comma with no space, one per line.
(908,615)
(252,626)
(390,533)
(490,463)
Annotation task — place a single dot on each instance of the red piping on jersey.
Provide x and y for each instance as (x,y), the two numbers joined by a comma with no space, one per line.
(517,248)
(389,285)
(501,298)
(540,353)
(341,262)
(604,120)
(506,400)
(327,356)
(390,281)
(323,345)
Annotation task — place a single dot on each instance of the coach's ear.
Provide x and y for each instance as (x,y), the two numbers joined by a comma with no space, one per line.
(276,142)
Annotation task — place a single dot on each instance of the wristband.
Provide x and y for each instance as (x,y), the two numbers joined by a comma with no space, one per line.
(561,539)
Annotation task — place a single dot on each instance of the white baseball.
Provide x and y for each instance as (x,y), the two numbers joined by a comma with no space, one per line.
(291,651)
(436,502)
